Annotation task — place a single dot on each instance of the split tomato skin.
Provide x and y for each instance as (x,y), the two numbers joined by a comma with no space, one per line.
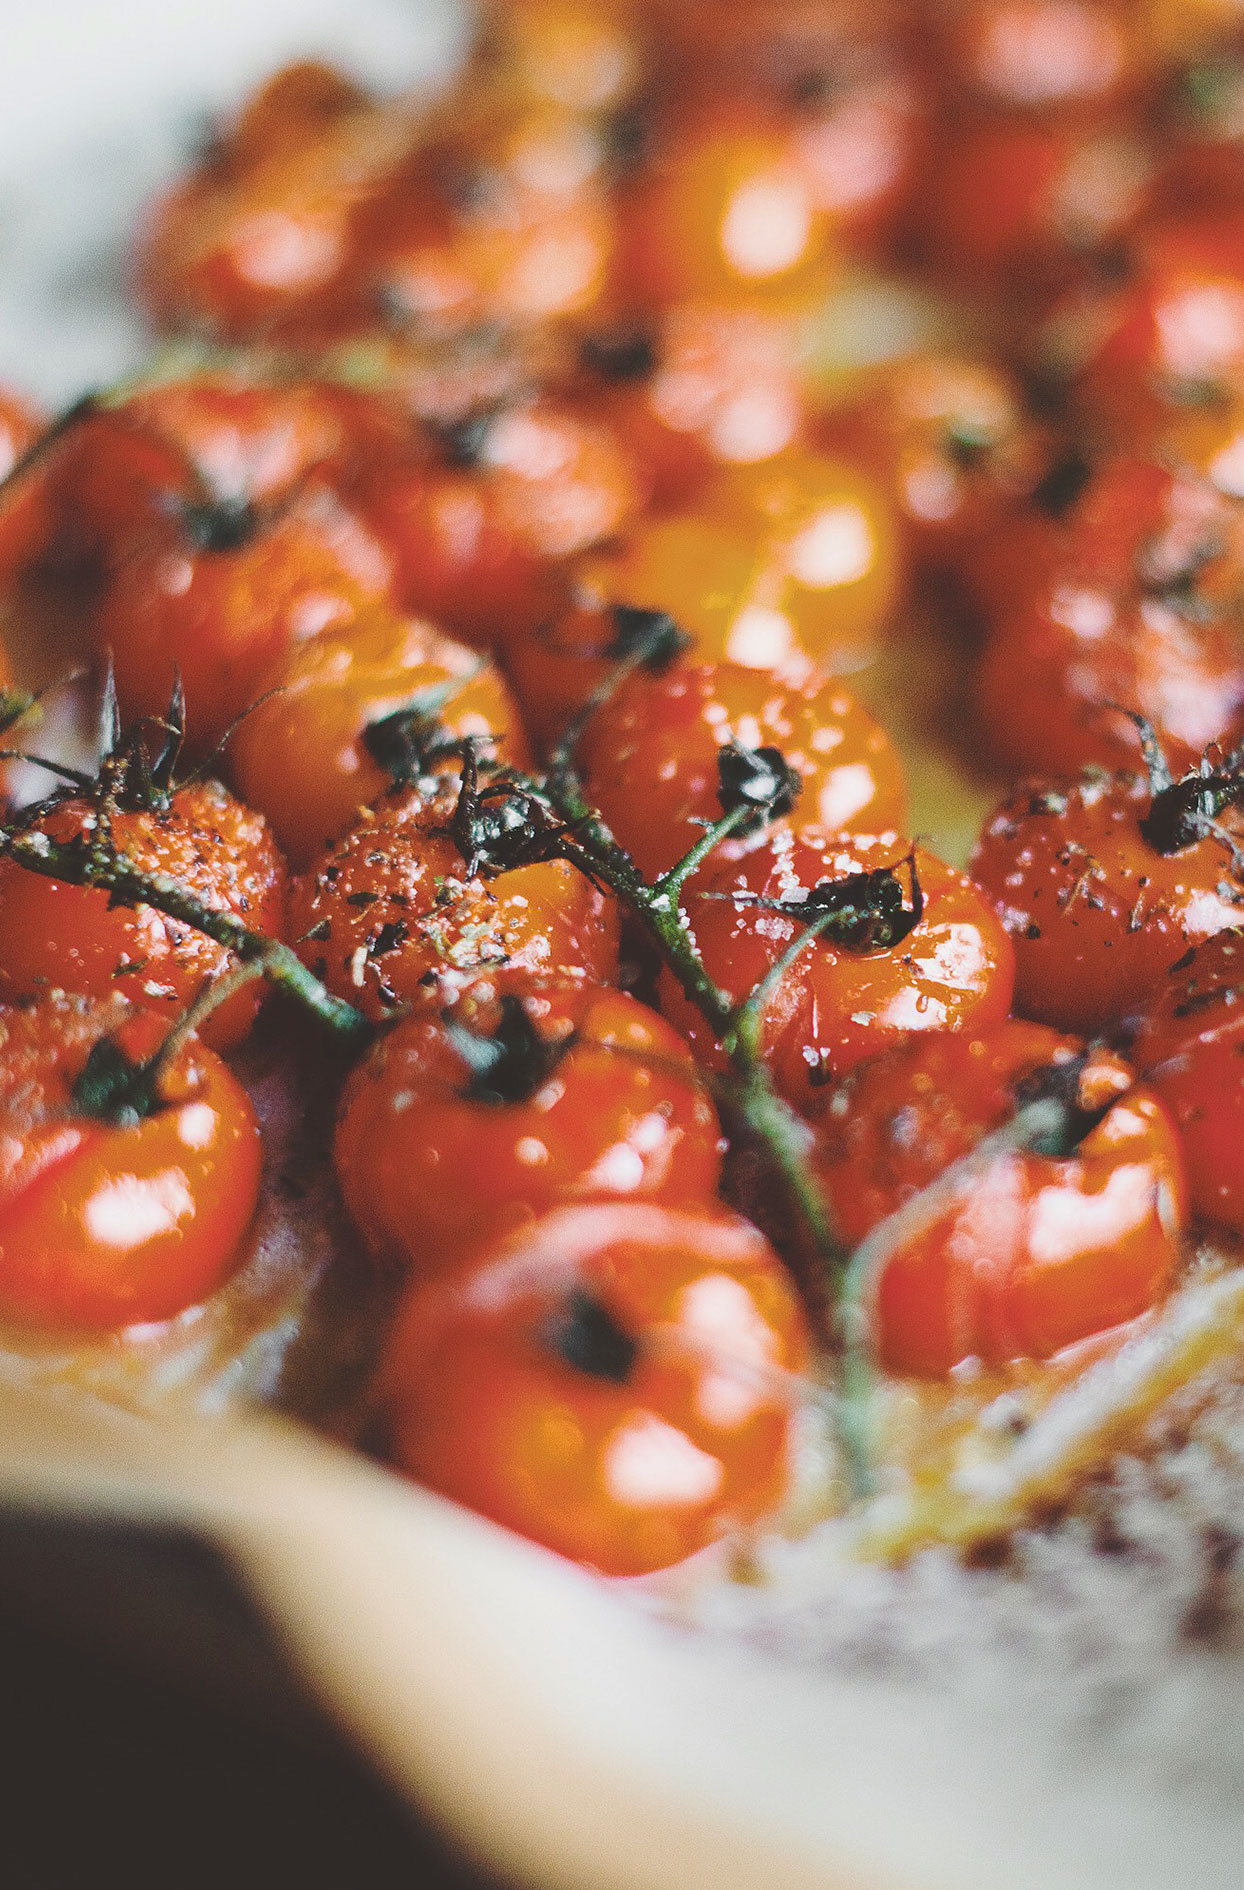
(835,1006)
(1190,1048)
(1097,914)
(105,1226)
(595,1095)
(301,755)
(56,934)
(221,614)
(650,755)
(1042,1250)
(388,909)
(683,1438)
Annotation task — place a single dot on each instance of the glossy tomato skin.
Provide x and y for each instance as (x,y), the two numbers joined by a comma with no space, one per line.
(835,1006)
(104,1226)
(473,544)
(1190,1046)
(388,908)
(626,1476)
(301,755)
(55,934)
(608,1105)
(1097,915)
(221,616)
(650,755)
(1041,1251)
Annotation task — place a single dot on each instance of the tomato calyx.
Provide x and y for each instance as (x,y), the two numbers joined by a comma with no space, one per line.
(1061,1082)
(624,353)
(500,826)
(463,441)
(585,1335)
(409,742)
(111,1088)
(218,524)
(1185,811)
(1056,493)
(509,1063)
(861,912)
(759,781)
(648,639)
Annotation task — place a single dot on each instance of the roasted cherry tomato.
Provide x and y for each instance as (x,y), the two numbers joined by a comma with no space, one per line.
(55,934)
(607,1381)
(398,900)
(474,541)
(522,1096)
(894,956)
(217,600)
(652,755)
(1042,1248)
(351,711)
(1103,883)
(1190,1046)
(125,1191)
(1131,609)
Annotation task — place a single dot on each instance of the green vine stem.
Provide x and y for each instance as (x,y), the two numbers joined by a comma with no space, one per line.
(130,885)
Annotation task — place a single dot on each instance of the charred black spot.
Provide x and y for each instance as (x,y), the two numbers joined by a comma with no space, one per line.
(757,778)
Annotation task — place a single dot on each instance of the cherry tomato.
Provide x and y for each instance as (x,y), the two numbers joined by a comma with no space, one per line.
(1097,911)
(347,713)
(108,1223)
(55,934)
(600,1383)
(879,974)
(726,212)
(391,904)
(949,437)
(578,55)
(217,599)
(1042,1249)
(474,543)
(1190,1047)
(466,1122)
(651,755)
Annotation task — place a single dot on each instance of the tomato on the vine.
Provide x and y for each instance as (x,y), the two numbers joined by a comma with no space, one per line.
(126,1188)
(609,1381)
(526,1093)
(1046,1246)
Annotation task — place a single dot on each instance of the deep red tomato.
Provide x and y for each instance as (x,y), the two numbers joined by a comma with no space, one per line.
(1191,1049)
(1042,1249)
(526,1094)
(1096,911)
(605,1382)
(107,1223)
(651,754)
(849,996)
(391,905)
(54,934)
(344,715)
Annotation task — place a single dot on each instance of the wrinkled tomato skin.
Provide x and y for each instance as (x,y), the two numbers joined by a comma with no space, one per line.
(103,1227)
(387,907)
(627,1477)
(52,933)
(221,618)
(1190,1047)
(1041,1251)
(650,753)
(1097,915)
(834,1006)
(429,1172)
(301,757)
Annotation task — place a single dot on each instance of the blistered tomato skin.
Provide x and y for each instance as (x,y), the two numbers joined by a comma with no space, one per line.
(600,1383)
(1043,1249)
(56,934)
(389,905)
(104,1226)
(220,613)
(650,755)
(840,1003)
(1096,913)
(1190,1046)
(591,1094)
(306,755)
